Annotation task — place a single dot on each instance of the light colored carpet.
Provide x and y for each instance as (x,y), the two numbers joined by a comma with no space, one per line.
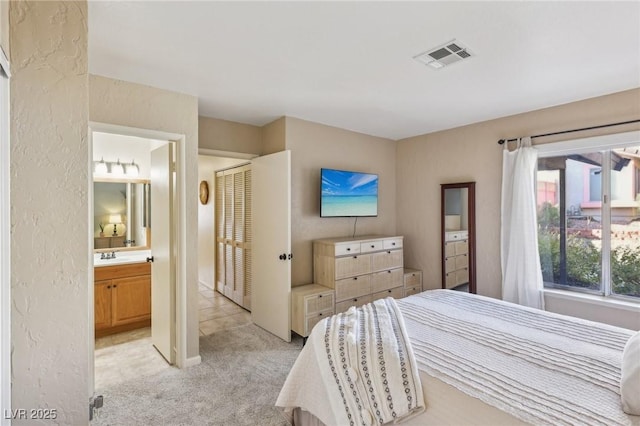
(237,383)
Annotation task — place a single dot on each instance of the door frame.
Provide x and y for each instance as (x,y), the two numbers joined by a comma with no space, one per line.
(180,211)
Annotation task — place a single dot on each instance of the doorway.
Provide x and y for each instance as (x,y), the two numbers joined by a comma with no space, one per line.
(216,312)
(129,146)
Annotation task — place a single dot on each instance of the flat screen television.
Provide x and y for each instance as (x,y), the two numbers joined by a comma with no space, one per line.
(348,194)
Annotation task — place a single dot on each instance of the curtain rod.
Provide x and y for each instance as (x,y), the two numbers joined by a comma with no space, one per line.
(502,141)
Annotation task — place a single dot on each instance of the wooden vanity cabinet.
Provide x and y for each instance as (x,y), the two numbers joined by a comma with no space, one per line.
(122,295)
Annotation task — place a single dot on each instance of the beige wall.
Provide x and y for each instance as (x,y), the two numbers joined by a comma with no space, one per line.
(223,135)
(314,146)
(49,209)
(274,136)
(134,105)
(471,153)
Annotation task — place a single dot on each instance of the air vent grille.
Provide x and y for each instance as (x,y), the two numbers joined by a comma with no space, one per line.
(446,54)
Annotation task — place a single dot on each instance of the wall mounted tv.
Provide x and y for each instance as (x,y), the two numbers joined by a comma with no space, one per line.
(348,194)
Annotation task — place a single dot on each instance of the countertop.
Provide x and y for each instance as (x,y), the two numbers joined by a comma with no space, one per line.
(122,257)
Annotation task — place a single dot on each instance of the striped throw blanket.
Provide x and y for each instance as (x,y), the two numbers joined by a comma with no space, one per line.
(542,368)
(367,368)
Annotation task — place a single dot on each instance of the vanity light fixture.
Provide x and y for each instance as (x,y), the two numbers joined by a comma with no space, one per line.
(132,169)
(100,167)
(116,168)
(115,220)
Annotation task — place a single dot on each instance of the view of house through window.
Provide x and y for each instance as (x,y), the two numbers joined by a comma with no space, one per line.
(586,244)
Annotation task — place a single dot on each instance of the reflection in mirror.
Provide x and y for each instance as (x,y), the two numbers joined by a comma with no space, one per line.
(458,236)
(121,214)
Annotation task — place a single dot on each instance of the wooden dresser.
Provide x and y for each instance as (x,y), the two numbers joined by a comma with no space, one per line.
(361,269)
(456,260)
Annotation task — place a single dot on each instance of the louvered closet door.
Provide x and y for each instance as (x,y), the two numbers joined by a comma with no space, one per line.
(247,240)
(233,234)
(228,236)
(219,230)
(238,237)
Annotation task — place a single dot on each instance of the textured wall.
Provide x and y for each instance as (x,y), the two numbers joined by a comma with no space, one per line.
(471,153)
(224,135)
(50,247)
(314,146)
(134,105)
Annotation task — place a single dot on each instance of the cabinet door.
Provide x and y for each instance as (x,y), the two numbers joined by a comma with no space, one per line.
(131,299)
(102,304)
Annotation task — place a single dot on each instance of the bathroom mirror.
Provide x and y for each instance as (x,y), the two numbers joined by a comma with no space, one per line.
(458,225)
(121,214)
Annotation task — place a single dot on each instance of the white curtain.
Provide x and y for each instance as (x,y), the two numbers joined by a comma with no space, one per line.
(520,259)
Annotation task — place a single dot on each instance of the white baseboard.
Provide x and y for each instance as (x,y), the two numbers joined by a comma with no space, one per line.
(207,285)
(190,362)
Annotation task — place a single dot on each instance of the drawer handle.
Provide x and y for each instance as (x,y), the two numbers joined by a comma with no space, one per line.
(355,300)
(355,257)
(372,246)
(388,272)
(389,252)
(320,314)
(319,295)
(413,275)
(348,248)
(355,278)
(388,291)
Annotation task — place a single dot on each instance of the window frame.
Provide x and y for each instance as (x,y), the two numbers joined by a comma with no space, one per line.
(604,144)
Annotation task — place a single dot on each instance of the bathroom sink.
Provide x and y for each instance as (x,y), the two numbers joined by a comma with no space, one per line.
(122,258)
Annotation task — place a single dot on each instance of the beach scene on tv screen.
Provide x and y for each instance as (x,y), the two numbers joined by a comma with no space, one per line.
(349,193)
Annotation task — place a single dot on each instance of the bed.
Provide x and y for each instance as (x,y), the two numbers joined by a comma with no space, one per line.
(484,361)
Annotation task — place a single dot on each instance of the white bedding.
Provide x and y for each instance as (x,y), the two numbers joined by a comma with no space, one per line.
(363,366)
(519,363)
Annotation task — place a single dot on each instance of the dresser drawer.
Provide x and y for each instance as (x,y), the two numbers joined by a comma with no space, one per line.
(356,301)
(412,278)
(392,243)
(408,291)
(450,264)
(386,279)
(312,320)
(461,247)
(396,293)
(370,246)
(386,260)
(462,261)
(450,279)
(347,248)
(352,265)
(462,276)
(318,302)
(449,249)
(349,288)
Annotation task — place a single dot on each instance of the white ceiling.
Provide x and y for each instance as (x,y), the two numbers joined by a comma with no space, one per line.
(349,64)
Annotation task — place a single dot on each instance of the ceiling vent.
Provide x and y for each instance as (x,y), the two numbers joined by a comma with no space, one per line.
(447,54)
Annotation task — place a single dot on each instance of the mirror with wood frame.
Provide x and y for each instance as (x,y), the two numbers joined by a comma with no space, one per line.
(121,214)
(458,226)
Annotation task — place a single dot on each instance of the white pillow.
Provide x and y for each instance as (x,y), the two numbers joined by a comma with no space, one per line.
(630,372)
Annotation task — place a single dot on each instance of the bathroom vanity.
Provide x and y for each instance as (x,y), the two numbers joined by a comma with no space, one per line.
(122,293)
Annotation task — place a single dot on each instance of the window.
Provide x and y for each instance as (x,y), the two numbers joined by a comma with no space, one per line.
(589,215)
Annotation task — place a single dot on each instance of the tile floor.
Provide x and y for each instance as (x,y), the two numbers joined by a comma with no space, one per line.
(124,356)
